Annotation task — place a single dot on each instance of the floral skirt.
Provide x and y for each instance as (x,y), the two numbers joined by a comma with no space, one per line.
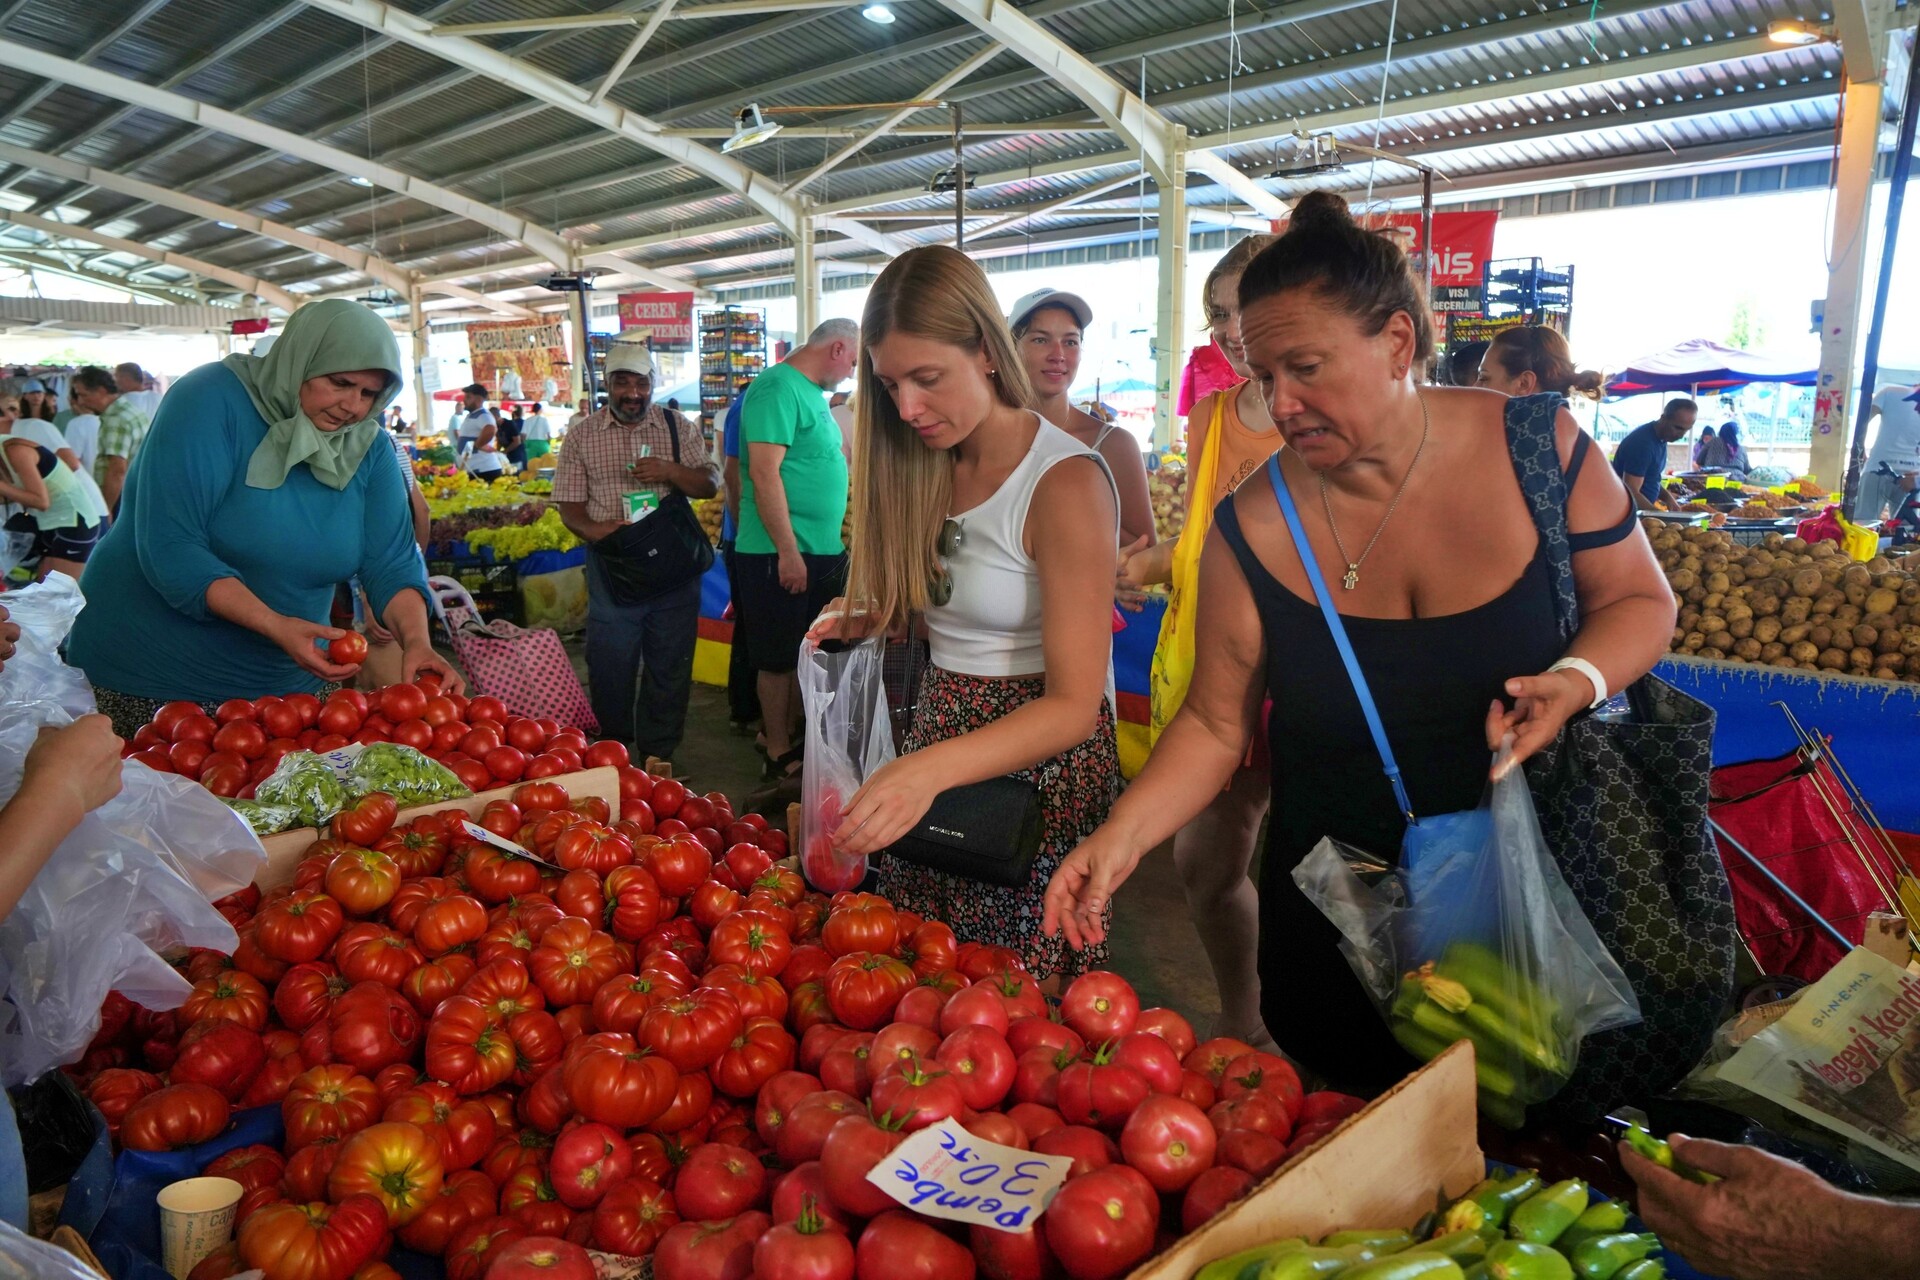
(1076,790)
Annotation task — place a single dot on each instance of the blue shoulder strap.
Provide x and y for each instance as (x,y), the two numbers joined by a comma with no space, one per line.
(1340,641)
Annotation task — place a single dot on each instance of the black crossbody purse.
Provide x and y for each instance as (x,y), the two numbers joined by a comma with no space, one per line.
(987,831)
(668,549)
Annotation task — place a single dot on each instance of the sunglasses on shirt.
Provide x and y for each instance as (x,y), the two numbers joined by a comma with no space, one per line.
(952,536)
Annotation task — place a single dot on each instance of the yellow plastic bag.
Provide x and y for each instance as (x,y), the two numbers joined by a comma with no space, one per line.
(1861,544)
(1172,668)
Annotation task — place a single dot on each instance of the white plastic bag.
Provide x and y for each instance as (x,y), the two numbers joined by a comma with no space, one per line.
(1476,936)
(134,879)
(849,731)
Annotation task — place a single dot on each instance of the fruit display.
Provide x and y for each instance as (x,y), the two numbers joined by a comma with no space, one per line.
(518,541)
(649,1037)
(710,512)
(460,526)
(1508,1227)
(1167,487)
(1787,603)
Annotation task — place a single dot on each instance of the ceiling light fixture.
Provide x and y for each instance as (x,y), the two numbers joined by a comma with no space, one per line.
(226,225)
(880,13)
(359,181)
(1317,153)
(749,128)
(1795,32)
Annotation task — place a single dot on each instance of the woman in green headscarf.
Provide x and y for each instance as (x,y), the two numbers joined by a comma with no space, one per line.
(262,484)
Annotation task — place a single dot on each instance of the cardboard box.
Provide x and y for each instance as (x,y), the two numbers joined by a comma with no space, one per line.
(285,849)
(1414,1148)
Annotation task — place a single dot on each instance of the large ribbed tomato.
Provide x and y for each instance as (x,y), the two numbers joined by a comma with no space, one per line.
(504,987)
(614,1082)
(230,994)
(529,1199)
(633,901)
(753,939)
(573,961)
(368,952)
(863,987)
(467,1048)
(590,846)
(180,1115)
(307,993)
(691,1031)
(396,1163)
(757,995)
(463,1127)
(298,928)
(761,1051)
(431,983)
(373,1025)
(313,1241)
(329,1101)
(465,1197)
(862,922)
(472,1248)
(362,880)
(632,1216)
(621,1000)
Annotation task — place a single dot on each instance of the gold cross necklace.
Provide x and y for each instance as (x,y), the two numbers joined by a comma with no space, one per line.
(1351,578)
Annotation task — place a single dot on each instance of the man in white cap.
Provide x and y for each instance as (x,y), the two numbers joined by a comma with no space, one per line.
(625,472)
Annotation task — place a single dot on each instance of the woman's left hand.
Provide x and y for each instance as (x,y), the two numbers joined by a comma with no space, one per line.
(888,806)
(1542,705)
(419,660)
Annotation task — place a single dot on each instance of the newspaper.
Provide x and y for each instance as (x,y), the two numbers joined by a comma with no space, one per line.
(1846,1056)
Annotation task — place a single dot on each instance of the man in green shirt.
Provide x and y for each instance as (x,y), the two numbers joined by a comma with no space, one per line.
(789,557)
(122,428)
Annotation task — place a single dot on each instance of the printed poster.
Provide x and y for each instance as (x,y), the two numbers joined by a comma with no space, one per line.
(515,360)
(668,315)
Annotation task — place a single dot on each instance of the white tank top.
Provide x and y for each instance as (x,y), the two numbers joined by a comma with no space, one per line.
(991,625)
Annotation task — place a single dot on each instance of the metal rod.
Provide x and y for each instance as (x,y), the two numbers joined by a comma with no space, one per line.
(1426,227)
(1818,919)
(959,183)
(1870,362)
(826,108)
(510,25)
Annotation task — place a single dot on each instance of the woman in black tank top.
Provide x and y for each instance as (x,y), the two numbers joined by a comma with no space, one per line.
(1415,510)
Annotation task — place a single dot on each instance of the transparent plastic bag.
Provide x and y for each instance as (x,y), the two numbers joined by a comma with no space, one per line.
(843,694)
(136,878)
(304,785)
(1476,936)
(407,775)
(23,1256)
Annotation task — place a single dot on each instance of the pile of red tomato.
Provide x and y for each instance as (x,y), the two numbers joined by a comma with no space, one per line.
(646,1049)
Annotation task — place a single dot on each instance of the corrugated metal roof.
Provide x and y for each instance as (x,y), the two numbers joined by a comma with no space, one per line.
(322,77)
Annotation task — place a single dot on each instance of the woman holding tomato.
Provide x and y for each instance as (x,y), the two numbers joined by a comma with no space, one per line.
(998,530)
(263,483)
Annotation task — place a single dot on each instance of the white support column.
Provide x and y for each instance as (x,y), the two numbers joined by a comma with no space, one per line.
(422,398)
(1170,330)
(806,281)
(577,309)
(1833,402)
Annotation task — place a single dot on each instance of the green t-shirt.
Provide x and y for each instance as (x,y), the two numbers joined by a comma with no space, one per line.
(785,407)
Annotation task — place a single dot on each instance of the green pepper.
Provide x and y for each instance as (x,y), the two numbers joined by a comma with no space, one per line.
(1462,1246)
(1378,1241)
(1497,1197)
(1546,1217)
(1660,1151)
(1605,1256)
(1604,1219)
(1309,1263)
(1407,1266)
(1246,1264)
(1645,1269)
(1518,1260)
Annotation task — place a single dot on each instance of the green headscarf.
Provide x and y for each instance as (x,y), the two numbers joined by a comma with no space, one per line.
(330,336)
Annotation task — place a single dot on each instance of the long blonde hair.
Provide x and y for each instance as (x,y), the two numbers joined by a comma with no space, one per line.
(902,490)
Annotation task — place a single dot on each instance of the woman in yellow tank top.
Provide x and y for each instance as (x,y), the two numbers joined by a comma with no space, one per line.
(1229,436)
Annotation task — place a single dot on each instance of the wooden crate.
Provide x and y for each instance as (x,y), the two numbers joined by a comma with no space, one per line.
(1411,1149)
(285,849)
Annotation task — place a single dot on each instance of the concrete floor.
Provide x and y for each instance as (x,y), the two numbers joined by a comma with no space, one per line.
(1155,946)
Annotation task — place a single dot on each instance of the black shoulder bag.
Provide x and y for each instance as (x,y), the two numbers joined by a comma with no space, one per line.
(666,550)
(1622,802)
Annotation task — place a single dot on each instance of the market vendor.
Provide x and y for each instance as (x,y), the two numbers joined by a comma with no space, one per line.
(1642,456)
(265,482)
(1427,546)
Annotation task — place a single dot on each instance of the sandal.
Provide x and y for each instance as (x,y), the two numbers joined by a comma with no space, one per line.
(786,766)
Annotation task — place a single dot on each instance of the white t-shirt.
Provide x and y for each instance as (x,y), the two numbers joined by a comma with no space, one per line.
(147,402)
(48,437)
(472,423)
(83,437)
(538,428)
(1898,441)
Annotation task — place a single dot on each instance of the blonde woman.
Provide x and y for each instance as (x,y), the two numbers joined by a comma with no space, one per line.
(996,530)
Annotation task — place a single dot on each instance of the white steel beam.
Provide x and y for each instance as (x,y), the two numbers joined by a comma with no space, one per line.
(1215,166)
(1144,130)
(628,54)
(930,93)
(1833,397)
(378,268)
(511,26)
(763,192)
(1093,192)
(1858,25)
(156,292)
(262,289)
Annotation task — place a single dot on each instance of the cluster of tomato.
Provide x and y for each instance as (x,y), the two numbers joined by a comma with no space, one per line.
(641,1048)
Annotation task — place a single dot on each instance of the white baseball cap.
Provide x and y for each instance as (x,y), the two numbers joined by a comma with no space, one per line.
(1072,303)
(628,353)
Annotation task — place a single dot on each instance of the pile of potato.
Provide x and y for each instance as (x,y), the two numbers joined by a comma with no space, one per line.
(1786,603)
(1167,486)
(710,512)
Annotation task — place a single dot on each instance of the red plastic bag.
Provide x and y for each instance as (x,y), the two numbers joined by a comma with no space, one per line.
(1824,527)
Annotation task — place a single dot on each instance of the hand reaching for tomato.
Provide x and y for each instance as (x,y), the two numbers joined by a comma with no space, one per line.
(1080,895)
(888,805)
(422,660)
(81,760)
(296,637)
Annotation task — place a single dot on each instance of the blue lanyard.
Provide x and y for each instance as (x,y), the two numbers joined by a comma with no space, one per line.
(1340,641)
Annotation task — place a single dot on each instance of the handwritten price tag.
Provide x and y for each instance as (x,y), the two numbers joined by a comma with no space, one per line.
(945,1172)
(503,844)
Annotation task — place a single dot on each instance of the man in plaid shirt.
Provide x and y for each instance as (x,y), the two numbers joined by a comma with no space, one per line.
(122,428)
(639,655)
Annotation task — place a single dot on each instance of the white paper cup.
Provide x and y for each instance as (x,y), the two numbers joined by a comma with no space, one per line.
(196,1217)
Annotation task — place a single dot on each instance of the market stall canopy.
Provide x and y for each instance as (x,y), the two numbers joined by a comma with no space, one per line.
(1701,364)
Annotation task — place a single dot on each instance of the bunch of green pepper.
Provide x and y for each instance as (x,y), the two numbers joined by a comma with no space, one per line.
(1505,1228)
(1469,993)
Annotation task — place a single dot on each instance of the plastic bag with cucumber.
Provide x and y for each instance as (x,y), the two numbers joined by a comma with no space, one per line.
(1472,934)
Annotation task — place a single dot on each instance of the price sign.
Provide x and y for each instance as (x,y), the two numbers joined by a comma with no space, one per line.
(945,1172)
(501,843)
(341,761)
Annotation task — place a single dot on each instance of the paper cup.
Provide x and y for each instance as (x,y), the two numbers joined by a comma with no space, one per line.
(196,1217)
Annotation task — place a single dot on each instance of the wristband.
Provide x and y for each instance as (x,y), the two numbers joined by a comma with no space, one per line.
(1588,670)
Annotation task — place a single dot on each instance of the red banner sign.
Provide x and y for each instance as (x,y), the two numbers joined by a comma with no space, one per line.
(1463,243)
(668,315)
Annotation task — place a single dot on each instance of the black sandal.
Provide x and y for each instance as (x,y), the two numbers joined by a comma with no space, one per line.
(786,766)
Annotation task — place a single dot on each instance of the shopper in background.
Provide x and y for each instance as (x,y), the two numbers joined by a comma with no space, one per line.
(998,529)
(480,434)
(1707,437)
(82,434)
(1229,435)
(639,654)
(36,401)
(1463,364)
(840,407)
(1446,594)
(743,692)
(1531,359)
(64,518)
(1896,444)
(267,481)
(1641,457)
(1725,452)
(793,499)
(47,436)
(139,388)
(512,440)
(539,433)
(473,418)
(1049,325)
(122,429)
(1767,1218)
